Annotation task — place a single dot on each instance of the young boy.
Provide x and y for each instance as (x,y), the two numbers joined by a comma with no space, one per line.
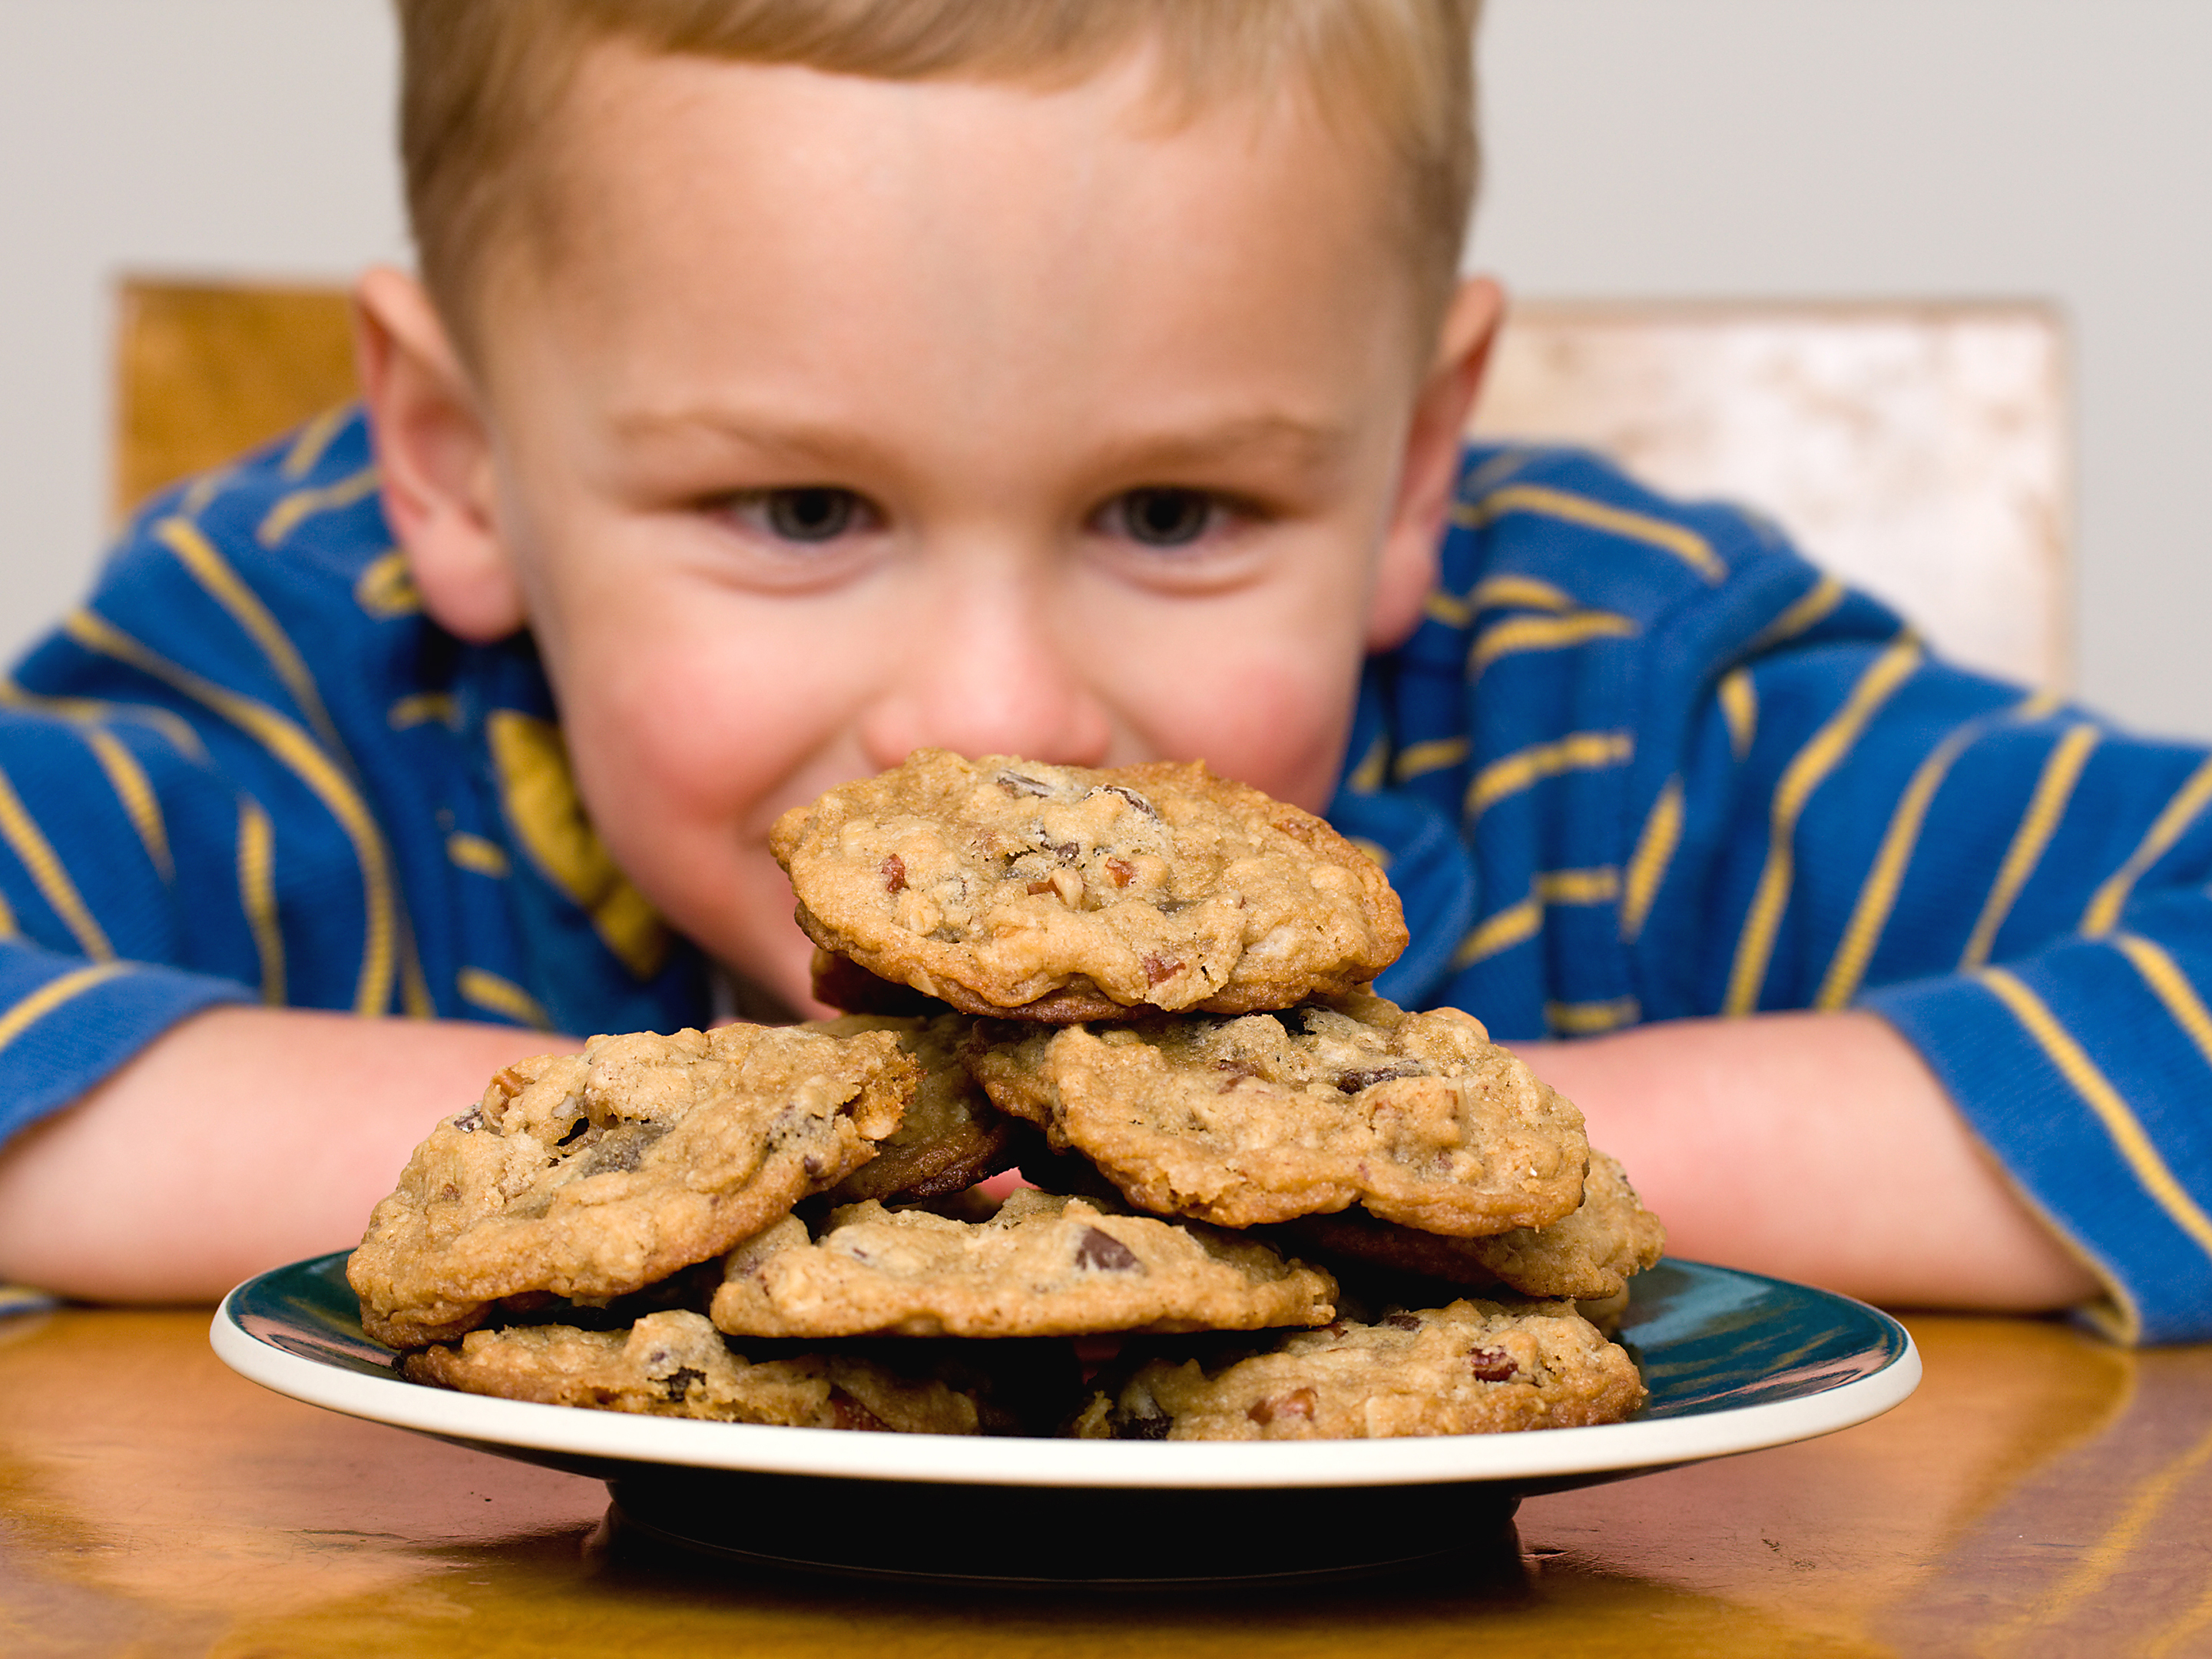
(791,386)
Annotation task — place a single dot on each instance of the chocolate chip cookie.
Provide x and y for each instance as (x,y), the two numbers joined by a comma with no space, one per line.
(1061,893)
(591,1176)
(1472,1368)
(952,1136)
(1267,1117)
(1588,1255)
(676,1364)
(1042,1266)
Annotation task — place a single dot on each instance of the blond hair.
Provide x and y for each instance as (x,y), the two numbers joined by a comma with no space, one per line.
(482,79)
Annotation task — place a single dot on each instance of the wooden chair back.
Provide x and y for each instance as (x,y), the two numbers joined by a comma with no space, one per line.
(206,370)
(1917,451)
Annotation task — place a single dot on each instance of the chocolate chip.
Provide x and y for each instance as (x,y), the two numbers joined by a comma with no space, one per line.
(622,1149)
(1018,783)
(1157,968)
(1123,871)
(1140,1426)
(1100,1249)
(1367,1076)
(1493,1365)
(1402,1321)
(847,1412)
(894,874)
(1130,796)
(678,1383)
(1067,851)
(1298,1404)
(471,1121)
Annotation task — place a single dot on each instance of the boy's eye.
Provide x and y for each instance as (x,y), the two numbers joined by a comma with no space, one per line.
(1162,517)
(804,512)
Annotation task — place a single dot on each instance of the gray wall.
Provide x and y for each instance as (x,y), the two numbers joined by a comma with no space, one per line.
(1823,149)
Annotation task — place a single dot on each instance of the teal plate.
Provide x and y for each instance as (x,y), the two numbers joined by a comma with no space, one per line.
(1734,1363)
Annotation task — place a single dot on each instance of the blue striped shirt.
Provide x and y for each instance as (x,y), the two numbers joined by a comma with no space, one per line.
(1639,761)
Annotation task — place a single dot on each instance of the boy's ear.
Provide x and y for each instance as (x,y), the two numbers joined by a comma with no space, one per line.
(433,454)
(1408,566)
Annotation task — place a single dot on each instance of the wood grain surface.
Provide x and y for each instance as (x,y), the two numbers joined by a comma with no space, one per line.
(2043,1493)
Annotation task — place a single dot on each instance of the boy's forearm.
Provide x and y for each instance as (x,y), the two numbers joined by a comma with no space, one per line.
(1817,1147)
(243,1138)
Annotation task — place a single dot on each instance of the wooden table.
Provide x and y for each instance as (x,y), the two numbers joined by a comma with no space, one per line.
(2042,1493)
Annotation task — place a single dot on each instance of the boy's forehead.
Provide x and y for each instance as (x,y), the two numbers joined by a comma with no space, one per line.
(691,199)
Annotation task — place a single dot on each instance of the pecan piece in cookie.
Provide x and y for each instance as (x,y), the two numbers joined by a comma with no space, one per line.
(1062,893)
(952,1136)
(1588,1255)
(676,1364)
(1473,1367)
(1267,1117)
(1042,1267)
(591,1175)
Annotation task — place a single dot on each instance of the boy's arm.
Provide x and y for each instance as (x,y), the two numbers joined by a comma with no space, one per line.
(242,1138)
(1819,1147)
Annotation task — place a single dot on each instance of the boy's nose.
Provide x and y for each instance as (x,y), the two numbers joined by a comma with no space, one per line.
(988,673)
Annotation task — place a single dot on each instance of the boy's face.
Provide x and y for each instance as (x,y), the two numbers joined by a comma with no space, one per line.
(846,416)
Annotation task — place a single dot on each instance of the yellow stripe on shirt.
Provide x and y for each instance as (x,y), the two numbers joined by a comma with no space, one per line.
(314,438)
(1808,610)
(51,995)
(1542,500)
(1503,929)
(1368,776)
(2104,911)
(1878,892)
(1500,931)
(2072,1063)
(296,508)
(228,589)
(1579,752)
(1520,633)
(48,874)
(1419,759)
(1592,1018)
(93,711)
(1655,850)
(1505,592)
(501,996)
(1600,886)
(476,854)
(134,792)
(2171,987)
(1739,701)
(296,751)
(1808,769)
(257,895)
(2046,806)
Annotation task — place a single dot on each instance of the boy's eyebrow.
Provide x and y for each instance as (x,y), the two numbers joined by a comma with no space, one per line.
(1277,438)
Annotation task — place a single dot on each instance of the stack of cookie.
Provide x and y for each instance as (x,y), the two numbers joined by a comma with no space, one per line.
(1146,988)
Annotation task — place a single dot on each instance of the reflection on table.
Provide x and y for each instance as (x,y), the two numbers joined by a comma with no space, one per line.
(2042,1493)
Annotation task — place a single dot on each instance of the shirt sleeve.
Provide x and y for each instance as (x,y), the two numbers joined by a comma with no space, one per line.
(180,825)
(105,940)
(2016,885)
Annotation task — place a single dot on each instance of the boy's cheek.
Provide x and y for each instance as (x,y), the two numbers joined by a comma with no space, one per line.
(1269,713)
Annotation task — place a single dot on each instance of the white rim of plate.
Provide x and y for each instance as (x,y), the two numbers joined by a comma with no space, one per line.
(963,1460)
